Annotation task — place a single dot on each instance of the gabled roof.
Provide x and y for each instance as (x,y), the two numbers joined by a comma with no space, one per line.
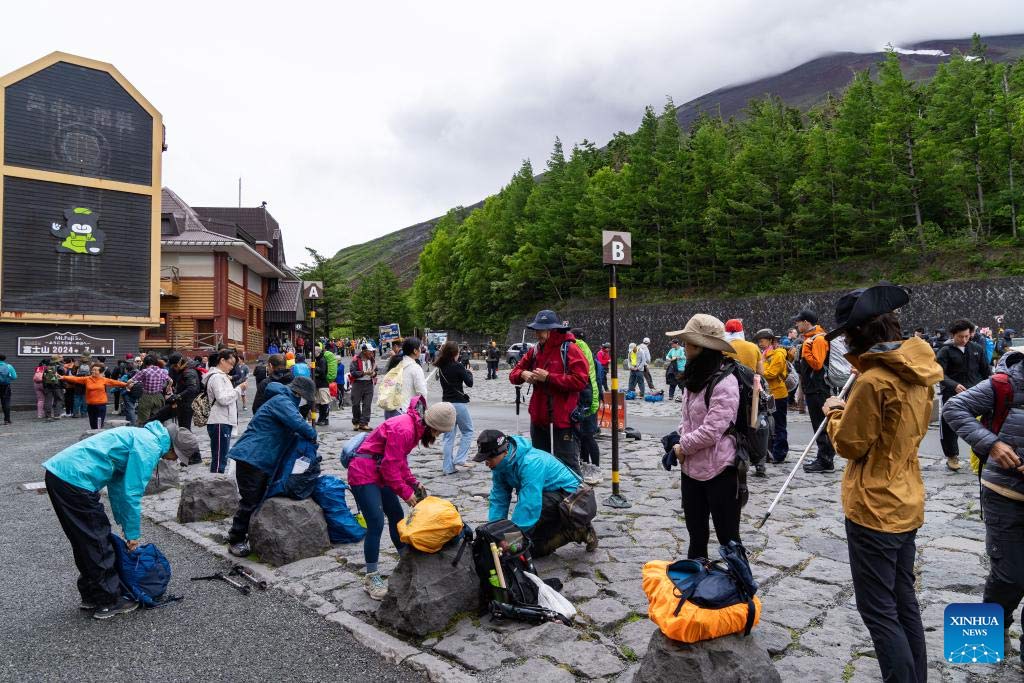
(256,221)
(185,217)
(285,305)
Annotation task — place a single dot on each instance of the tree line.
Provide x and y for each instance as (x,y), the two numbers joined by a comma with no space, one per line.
(744,205)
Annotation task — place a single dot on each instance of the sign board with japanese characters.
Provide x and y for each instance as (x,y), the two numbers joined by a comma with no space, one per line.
(65,344)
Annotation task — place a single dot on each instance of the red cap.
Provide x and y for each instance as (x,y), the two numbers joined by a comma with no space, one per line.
(734,325)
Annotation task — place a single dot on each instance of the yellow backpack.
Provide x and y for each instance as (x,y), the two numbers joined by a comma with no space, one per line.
(432,523)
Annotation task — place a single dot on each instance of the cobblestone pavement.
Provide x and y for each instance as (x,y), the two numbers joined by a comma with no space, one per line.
(809,624)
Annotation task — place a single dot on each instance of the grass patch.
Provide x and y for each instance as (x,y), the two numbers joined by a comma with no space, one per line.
(629,653)
(213,517)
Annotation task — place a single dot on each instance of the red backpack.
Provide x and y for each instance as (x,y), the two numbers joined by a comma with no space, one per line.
(1003,391)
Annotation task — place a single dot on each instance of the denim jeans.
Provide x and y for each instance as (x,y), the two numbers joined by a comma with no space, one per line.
(602,378)
(464,424)
(130,405)
(376,503)
(220,444)
(636,377)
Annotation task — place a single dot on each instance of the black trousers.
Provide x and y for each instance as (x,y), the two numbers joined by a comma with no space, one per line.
(882,566)
(5,401)
(565,447)
(85,523)
(714,498)
(252,485)
(948,439)
(586,432)
(1004,531)
(492,369)
(826,453)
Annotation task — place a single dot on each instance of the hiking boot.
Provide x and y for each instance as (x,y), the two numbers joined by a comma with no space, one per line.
(819,467)
(591,539)
(760,470)
(355,426)
(591,474)
(122,606)
(376,585)
(88,606)
(365,428)
(240,549)
(953,463)
(196,459)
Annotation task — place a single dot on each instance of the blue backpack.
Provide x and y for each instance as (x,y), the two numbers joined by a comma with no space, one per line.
(714,585)
(291,483)
(144,572)
(348,451)
(342,526)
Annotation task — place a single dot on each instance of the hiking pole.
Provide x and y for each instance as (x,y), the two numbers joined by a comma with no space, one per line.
(239,570)
(221,576)
(807,449)
(519,393)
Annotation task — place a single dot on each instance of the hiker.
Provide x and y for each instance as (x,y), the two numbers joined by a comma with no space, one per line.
(675,361)
(95,386)
(812,356)
(643,352)
(154,380)
(414,382)
(223,407)
(540,483)
(7,375)
(37,384)
(636,371)
(878,429)
(187,385)
(706,453)
(379,476)
(122,460)
(493,356)
(301,367)
(363,375)
(774,361)
(277,371)
(743,351)
(259,450)
(584,417)
(454,378)
(322,380)
(997,440)
(558,372)
(604,359)
(964,365)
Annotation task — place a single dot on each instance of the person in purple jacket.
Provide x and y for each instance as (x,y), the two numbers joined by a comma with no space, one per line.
(379,475)
(706,454)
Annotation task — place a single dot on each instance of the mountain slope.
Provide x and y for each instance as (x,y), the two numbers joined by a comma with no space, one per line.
(802,87)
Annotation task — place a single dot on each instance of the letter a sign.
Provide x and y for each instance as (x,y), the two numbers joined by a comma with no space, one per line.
(313,290)
(618,248)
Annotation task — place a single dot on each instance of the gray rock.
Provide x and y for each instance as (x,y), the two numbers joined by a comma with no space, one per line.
(474,648)
(772,637)
(285,530)
(604,611)
(167,475)
(732,658)
(636,635)
(577,589)
(825,570)
(425,591)
(211,496)
(539,671)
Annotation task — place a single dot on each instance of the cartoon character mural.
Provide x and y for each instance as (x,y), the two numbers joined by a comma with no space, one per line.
(80,234)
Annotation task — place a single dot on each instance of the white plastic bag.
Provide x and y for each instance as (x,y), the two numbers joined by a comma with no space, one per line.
(549,598)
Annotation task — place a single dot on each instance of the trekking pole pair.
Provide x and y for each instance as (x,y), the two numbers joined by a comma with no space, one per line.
(842,394)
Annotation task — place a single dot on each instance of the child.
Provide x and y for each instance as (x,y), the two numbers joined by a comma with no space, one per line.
(122,460)
(96,393)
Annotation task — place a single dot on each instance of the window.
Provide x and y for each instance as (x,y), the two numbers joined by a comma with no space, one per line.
(159,332)
(252,316)
(235,327)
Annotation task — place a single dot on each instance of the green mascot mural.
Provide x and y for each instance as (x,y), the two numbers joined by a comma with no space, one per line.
(80,234)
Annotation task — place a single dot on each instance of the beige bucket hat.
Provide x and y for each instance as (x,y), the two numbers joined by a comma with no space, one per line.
(705,331)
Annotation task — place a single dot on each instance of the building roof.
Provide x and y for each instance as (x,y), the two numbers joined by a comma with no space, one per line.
(285,305)
(256,221)
(184,216)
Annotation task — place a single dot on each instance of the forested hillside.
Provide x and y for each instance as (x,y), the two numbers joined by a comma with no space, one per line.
(890,169)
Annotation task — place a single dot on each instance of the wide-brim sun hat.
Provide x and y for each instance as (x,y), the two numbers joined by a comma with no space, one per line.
(861,305)
(547,320)
(304,388)
(440,416)
(183,441)
(705,331)
(764,333)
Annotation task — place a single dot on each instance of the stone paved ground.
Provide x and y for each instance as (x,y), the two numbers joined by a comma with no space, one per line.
(810,624)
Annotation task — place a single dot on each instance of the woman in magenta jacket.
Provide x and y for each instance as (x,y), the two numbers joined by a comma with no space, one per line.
(706,454)
(379,475)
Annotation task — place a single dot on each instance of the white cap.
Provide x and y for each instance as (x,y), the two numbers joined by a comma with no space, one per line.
(647,340)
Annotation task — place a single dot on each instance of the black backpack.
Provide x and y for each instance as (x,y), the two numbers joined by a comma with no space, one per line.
(716,584)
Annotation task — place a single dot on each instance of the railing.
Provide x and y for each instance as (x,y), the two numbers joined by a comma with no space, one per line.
(169,279)
(207,341)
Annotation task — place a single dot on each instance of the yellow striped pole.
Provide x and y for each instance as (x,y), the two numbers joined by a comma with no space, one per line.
(616,500)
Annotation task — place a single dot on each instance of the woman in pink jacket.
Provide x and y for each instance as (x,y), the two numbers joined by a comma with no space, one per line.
(379,475)
(706,454)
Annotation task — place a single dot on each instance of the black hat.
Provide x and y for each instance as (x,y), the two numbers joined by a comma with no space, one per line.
(808,315)
(490,443)
(547,320)
(861,305)
(303,387)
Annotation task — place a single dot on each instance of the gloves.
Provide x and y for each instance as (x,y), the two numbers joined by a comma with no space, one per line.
(668,460)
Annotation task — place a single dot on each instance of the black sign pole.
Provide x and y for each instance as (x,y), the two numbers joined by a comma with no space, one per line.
(616,500)
(313,416)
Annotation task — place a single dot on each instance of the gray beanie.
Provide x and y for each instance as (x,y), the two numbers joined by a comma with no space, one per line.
(303,387)
(184,442)
(440,416)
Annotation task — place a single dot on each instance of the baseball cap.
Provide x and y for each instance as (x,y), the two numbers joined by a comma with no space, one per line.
(808,315)
(490,443)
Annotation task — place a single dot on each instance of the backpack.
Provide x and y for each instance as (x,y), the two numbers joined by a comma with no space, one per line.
(430,524)
(586,395)
(694,600)
(50,375)
(297,473)
(348,451)
(389,397)
(200,405)
(342,526)
(792,380)
(144,572)
(837,368)
(6,376)
(1002,389)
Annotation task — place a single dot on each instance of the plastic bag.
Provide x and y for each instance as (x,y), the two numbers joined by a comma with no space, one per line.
(549,598)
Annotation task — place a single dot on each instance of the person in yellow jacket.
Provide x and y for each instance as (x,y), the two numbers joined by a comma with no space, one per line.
(878,430)
(774,371)
(744,352)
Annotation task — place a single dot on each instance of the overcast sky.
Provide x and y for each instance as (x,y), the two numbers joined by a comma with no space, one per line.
(356,119)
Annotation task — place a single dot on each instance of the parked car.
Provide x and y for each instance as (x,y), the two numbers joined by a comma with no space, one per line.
(512,355)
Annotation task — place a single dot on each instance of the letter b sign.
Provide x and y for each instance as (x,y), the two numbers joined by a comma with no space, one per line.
(617,247)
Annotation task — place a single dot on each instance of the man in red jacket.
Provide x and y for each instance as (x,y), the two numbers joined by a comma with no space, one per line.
(558,371)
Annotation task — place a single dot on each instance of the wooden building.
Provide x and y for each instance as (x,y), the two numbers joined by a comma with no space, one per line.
(80,164)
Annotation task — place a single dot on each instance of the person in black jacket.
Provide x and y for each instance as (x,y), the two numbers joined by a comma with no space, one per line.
(279,372)
(454,377)
(187,385)
(323,387)
(964,365)
(493,358)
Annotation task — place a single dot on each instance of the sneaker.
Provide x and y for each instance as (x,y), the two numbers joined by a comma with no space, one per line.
(760,470)
(240,549)
(122,606)
(953,463)
(591,474)
(376,585)
(365,428)
(591,539)
(355,426)
(818,467)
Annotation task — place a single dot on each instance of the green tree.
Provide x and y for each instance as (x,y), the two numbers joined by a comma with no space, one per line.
(378,300)
(333,307)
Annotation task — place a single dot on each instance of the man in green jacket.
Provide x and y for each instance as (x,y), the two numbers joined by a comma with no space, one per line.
(122,460)
(586,428)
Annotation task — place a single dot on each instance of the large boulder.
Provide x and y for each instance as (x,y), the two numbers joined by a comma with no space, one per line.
(167,475)
(284,530)
(209,497)
(425,591)
(735,658)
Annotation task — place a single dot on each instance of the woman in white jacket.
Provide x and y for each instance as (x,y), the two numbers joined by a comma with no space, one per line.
(414,383)
(223,407)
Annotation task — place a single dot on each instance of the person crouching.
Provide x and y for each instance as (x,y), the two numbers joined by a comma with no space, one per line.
(540,482)
(122,460)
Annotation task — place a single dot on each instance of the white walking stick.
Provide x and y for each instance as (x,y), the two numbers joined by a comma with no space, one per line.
(842,394)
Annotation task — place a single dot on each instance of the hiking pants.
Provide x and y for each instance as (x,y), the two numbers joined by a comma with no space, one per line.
(1004,529)
(585,432)
(97,416)
(714,498)
(376,503)
(948,439)
(636,378)
(492,369)
(780,440)
(148,404)
(362,401)
(826,454)
(53,404)
(647,376)
(69,401)
(252,485)
(85,523)
(565,447)
(129,410)
(882,566)
(5,401)
(40,399)
(220,444)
